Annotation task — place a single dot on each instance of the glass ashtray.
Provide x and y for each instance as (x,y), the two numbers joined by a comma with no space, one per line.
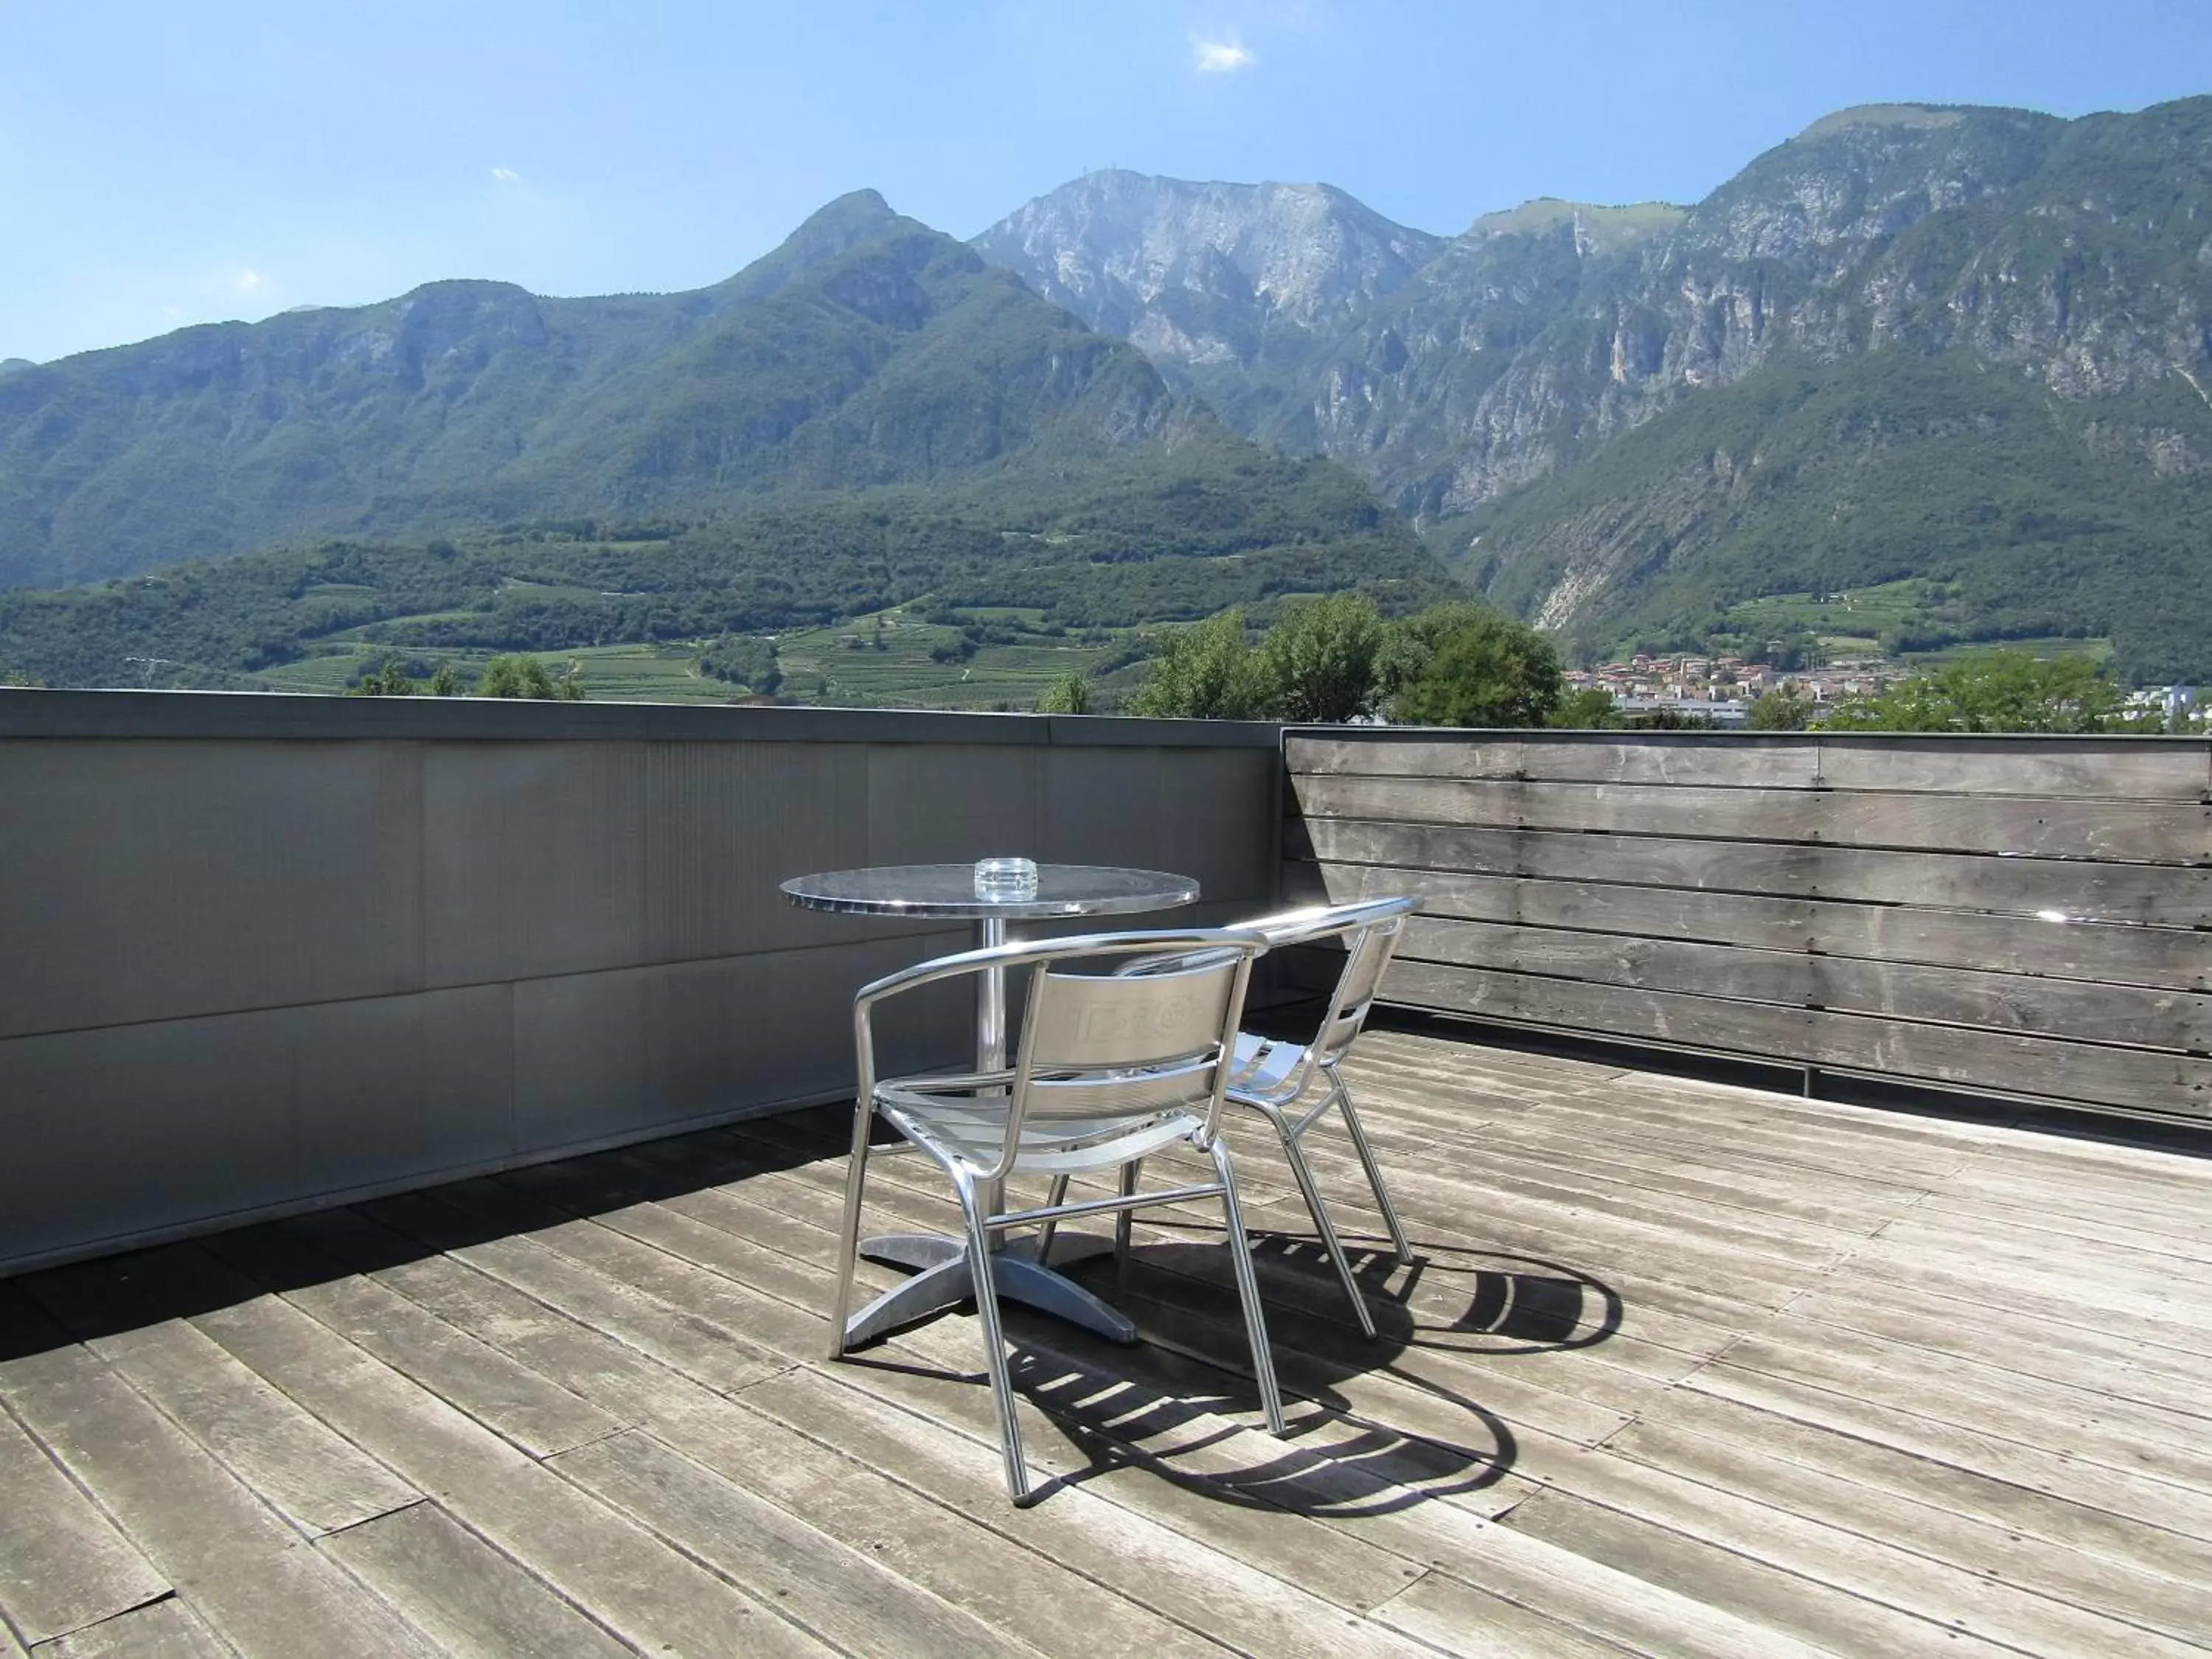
(1006,879)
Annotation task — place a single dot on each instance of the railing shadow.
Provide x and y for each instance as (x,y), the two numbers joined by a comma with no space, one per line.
(114,1295)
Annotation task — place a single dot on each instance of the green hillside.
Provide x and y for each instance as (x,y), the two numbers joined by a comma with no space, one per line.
(1121,540)
(867,350)
(2023,515)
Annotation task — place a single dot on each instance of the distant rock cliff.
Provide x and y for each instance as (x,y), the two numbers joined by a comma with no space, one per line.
(2072,260)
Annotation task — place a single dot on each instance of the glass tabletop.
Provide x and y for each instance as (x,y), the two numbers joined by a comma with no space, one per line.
(949,890)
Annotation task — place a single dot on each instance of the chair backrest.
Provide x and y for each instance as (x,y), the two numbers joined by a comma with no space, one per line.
(1126,1049)
(1369,932)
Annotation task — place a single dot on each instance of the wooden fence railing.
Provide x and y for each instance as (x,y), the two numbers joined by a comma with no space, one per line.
(2029,916)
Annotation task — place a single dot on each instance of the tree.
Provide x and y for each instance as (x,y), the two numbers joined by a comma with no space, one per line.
(1318,661)
(389,678)
(1590,710)
(527,677)
(1465,665)
(446,682)
(1996,692)
(1068,694)
(1785,709)
(1206,671)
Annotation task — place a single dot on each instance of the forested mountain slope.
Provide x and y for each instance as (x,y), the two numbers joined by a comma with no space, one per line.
(1999,324)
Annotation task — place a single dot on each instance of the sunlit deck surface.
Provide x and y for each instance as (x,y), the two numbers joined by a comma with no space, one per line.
(1685,1368)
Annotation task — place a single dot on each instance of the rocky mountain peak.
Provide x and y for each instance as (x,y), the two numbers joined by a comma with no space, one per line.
(1597,229)
(1201,272)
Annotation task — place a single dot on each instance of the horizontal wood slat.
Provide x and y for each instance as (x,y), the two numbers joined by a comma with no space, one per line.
(2133,832)
(2069,1072)
(2023,916)
(2163,895)
(2064,769)
(2078,1009)
(2178,958)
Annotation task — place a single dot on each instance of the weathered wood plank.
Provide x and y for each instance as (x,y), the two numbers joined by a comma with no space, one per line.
(1740,1512)
(1751,1587)
(669,1331)
(467,1595)
(2063,1072)
(2169,1571)
(646,1594)
(1459,1619)
(959,1559)
(1341,1568)
(1034,1599)
(2153,1600)
(1204,1579)
(310,1475)
(1675,758)
(244,1571)
(167,1629)
(2116,769)
(1610,1605)
(2104,952)
(2155,895)
(63,1564)
(2131,832)
(2176,1509)
(2032,1005)
(831,1588)
(532,1411)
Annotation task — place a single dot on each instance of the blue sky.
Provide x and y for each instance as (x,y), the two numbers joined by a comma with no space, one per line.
(162,165)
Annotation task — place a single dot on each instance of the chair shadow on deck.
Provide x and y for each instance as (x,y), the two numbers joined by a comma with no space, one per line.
(1375,1426)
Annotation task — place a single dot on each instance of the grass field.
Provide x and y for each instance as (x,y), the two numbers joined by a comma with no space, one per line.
(1851,622)
(841,665)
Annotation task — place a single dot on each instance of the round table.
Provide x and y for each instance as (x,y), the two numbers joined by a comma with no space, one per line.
(944,1278)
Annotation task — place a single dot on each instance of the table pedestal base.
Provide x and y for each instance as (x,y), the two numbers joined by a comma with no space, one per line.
(945,1279)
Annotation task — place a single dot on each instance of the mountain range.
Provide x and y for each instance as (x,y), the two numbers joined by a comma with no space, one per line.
(1963,354)
(1968,345)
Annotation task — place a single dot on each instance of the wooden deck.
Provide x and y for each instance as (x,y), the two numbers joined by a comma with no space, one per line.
(1684,1368)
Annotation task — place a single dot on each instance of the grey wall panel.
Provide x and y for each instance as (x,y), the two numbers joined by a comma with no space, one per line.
(579,1058)
(147,880)
(268,952)
(951,803)
(1102,806)
(746,1030)
(108,1133)
(533,858)
(1217,816)
(129,1129)
(725,822)
(392,1087)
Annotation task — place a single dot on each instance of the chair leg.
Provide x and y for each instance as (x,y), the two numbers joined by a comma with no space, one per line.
(1374,1172)
(1330,1241)
(995,1344)
(1248,1290)
(1129,1173)
(1058,1194)
(849,1234)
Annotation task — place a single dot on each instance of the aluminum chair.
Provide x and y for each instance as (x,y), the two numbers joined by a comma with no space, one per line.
(1277,1078)
(1109,1069)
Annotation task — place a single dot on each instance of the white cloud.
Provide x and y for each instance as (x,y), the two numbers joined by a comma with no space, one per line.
(249,281)
(1219,56)
(506,176)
